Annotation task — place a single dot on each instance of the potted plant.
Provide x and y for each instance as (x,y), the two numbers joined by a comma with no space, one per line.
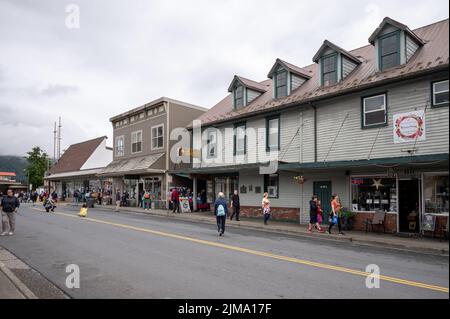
(347,217)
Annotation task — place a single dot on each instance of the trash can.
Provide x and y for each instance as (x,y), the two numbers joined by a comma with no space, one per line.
(90,202)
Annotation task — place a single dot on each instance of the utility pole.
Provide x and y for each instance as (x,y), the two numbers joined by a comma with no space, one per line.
(59,139)
(54,144)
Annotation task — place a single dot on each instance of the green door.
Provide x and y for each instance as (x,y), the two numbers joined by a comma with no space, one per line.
(323,192)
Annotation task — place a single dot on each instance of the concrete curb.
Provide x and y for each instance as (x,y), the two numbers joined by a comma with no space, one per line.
(334,238)
(17,282)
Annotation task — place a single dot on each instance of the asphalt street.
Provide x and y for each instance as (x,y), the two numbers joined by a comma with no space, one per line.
(139,256)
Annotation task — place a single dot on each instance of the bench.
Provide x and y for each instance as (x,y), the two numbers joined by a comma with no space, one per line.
(378,219)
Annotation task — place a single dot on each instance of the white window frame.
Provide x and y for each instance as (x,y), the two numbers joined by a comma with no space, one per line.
(208,148)
(133,134)
(151,136)
(384,108)
(121,137)
(437,92)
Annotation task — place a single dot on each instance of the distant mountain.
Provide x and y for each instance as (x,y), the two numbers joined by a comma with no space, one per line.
(14,164)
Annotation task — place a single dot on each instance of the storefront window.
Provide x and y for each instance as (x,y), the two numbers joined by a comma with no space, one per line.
(436,194)
(374,193)
(131,187)
(153,186)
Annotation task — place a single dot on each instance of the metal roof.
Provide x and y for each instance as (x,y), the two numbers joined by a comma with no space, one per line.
(431,57)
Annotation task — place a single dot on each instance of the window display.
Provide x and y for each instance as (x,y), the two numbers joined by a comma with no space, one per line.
(436,191)
(374,193)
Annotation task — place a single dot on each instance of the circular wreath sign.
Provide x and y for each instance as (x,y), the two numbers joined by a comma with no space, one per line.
(409,126)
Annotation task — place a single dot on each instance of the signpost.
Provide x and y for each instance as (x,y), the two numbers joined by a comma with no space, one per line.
(429,222)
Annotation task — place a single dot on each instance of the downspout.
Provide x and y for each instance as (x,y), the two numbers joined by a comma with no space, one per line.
(315,131)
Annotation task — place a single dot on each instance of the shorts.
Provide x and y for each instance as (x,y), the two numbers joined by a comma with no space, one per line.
(312,218)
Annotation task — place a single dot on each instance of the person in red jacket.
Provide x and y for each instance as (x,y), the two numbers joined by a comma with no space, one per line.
(176,200)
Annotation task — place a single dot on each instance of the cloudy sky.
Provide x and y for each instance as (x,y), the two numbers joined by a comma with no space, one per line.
(127,53)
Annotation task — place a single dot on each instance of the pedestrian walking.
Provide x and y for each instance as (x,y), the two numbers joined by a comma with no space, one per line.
(334,216)
(266,207)
(9,206)
(313,212)
(235,204)
(176,200)
(34,198)
(118,200)
(146,200)
(319,213)
(221,212)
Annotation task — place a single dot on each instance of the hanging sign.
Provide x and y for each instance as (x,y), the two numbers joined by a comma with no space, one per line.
(409,127)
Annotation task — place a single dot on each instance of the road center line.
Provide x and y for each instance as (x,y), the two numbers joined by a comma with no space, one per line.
(258,253)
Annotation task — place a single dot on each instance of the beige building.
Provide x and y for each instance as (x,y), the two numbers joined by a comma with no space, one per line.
(142,148)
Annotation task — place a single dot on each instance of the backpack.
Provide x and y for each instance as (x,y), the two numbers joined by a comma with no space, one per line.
(220,210)
(146,196)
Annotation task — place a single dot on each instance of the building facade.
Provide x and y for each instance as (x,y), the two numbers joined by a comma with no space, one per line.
(142,146)
(370,125)
(78,167)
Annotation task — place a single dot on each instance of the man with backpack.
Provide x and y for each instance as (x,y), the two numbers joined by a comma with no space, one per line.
(221,212)
(9,205)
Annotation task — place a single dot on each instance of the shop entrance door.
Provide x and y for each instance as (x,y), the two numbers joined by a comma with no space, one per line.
(409,205)
(323,192)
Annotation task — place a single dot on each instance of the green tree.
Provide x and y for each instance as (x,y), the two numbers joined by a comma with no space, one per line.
(37,164)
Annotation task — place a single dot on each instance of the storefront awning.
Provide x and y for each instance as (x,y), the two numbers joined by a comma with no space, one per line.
(131,166)
(73,174)
(441,159)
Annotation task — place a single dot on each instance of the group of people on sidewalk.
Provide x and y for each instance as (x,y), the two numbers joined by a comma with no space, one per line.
(221,209)
(316,214)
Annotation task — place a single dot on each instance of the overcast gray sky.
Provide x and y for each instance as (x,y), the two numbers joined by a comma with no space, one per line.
(127,53)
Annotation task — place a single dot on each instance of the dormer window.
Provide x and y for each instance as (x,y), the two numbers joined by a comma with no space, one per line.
(239,96)
(335,63)
(286,78)
(389,50)
(281,83)
(244,91)
(329,69)
(395,44)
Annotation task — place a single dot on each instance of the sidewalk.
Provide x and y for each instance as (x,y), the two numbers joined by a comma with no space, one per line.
(7,289)
(19,281)
(391,241)
(11,287)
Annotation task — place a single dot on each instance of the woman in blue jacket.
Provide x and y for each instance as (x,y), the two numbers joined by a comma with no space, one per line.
(221,212)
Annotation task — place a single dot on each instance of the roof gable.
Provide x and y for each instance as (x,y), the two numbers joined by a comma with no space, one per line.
(327,44)
(247,83)
(76,156)
(396,24)
(290,67)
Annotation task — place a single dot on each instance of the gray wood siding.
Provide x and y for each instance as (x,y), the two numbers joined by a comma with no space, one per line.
(289,190)
(251,95)
(411,47)
(347,66)
(296,81)
(355,143)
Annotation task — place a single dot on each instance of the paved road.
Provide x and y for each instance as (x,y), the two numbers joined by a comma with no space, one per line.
(136,256)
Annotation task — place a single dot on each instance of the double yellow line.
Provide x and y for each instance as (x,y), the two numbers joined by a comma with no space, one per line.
(263,254)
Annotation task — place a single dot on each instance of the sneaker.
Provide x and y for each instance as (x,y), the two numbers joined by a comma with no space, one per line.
(3,234)
(342,234)
(10,233)
(328,232)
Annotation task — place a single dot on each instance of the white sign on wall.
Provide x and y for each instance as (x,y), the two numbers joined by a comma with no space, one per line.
(409,127)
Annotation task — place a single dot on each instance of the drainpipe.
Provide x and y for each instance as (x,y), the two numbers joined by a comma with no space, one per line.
(315,132)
